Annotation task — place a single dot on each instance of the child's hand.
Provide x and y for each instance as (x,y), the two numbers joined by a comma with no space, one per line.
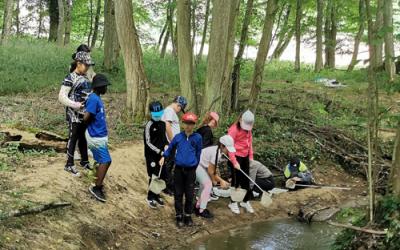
(224,184)
(296,179)
(162,161)
(237,166)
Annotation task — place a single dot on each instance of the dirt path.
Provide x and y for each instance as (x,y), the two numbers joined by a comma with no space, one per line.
(125,221)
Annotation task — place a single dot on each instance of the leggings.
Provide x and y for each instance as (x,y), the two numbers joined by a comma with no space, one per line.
(205,182)
(239,179)
(77,134)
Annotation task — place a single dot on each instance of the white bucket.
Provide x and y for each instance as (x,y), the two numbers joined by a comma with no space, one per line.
(238,194)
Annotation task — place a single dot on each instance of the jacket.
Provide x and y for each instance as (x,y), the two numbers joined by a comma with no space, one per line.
(302,172)
(243,143)
(155,138)
(207,136)
(188,149)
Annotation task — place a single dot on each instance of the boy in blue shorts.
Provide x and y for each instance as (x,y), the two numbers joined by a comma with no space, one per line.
(97,134)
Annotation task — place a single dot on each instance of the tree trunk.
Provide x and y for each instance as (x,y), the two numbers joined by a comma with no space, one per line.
(204,36)
(389,46)
(61,24)
(40,21)
(357,39)
(227,79)
(262,53)
(96,25)
(283,34)
(160,39)
(239,55)
(185,56)
(279,20)
(193,23)
(7,20)
(91,21)
(17,21)
(111,45)
(372,106)
(298,34)
(136,80)
(283,44)
(68,21)
(379,36)
(333,31)
(220,38)
(53,12)
(172,31)
(320,13)
(327,31)
(394,179)
(165,44)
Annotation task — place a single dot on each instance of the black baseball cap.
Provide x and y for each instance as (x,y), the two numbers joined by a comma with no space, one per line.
(100,80)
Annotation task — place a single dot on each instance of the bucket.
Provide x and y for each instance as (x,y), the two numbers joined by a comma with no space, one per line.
(238,194)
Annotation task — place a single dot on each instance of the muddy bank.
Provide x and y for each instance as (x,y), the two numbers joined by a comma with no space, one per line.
(125,221)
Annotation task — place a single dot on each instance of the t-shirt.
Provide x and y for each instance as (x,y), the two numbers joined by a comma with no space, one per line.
(207,135)
(98,126)
(208,156)
(171,117)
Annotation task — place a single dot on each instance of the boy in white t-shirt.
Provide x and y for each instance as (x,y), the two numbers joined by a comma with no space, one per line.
(171,119)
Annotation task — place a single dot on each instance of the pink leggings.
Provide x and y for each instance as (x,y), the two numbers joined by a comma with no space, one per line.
(205,182)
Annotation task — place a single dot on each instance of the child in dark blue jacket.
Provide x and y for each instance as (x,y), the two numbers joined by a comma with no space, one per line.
(188,147)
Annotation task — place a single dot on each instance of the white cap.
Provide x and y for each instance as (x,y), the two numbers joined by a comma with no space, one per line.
(228,142)
(247,120)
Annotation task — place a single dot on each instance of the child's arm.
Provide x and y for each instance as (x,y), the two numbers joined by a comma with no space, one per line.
(63,98)
(148,141)
(232,131)
(87,118)
(167,152)
(212,172)
(251,153)
(199,147)
(168,128)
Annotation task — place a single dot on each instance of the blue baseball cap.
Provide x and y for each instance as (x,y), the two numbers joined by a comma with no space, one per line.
(156,109)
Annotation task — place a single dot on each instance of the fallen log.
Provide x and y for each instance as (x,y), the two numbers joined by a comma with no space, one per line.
(7,137)
(360,229)
(49,136)
(36,209)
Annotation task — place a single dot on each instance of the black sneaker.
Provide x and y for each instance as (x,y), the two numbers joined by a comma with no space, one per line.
(188,220)
(98,193)
(152,203)
(72,169)
(206,214)
(179,221)
(159,201)
(86,166)
(168,192)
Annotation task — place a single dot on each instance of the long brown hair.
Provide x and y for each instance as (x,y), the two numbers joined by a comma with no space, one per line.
(207,119)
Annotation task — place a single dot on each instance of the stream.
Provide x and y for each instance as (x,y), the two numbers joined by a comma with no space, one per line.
(283,234)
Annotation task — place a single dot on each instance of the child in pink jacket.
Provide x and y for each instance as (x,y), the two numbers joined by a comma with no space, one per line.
(243,138)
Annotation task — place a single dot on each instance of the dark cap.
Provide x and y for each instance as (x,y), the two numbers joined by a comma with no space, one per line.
(100,80)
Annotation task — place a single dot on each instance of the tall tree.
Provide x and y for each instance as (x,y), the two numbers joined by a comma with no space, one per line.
(40,19)
(394,179)
(61,23)
(17,19)
(53,12)
(136,80)
(239,56)
(299,13)
(68,21)
(90,21)
(262,53)
(379,35)
(111,45)
(96,24)
(7,20)
(220,38)
(172,31)
(330,34)
(389,46)
(204,35)
(160,39)
(185,55)
(357,39)
(320,12)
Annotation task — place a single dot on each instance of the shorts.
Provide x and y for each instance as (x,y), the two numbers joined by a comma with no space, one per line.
(99,148)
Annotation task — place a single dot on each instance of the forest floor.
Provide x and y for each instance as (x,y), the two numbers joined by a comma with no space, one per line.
(125,221)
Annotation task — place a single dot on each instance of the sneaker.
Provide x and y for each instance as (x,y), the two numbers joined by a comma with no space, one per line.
(179,221)
(87,166)
(255,194)
(159,201)
(205,214)
(168,192)
(72,169)
(188,220)
(98,193)
(152,203)
(234,207)
(213,197)
(247,206)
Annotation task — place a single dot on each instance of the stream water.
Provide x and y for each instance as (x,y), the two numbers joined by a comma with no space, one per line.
(282,234)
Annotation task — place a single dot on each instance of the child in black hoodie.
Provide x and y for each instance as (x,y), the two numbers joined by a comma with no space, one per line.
(155,141)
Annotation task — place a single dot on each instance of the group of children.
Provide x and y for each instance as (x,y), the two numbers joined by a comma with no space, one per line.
(181,158)
(80,93)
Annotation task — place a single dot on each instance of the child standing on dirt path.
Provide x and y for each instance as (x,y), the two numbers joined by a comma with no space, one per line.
(97,134)
(209,123)
(171,119)
(155,142)
(188,146)
(73,94)
(241,133)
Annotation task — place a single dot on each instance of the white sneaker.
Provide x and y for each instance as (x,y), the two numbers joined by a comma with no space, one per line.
(234,207)
(255,194)
(247,206)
